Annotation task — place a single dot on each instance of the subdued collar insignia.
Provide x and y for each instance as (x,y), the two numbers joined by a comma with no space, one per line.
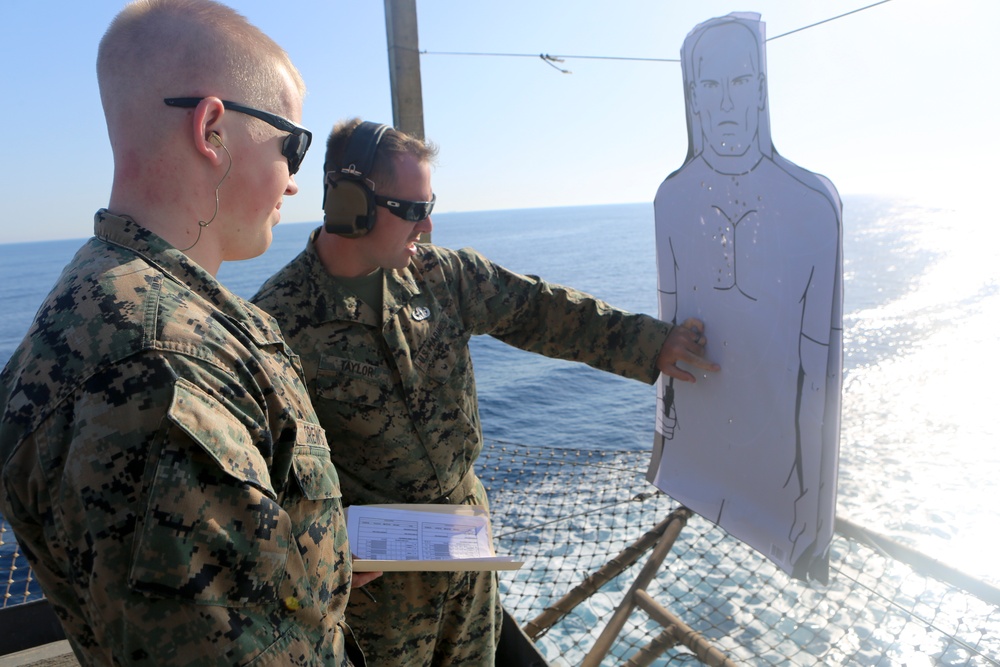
(421,313)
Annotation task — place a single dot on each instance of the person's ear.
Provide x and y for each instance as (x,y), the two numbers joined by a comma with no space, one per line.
(693,98)
(761,91)
(206,119)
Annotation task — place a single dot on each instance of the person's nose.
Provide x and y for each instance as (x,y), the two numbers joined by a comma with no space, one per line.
(292,187)
(425,226)
(727,99)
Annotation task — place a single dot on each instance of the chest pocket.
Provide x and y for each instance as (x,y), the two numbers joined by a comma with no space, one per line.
(212,530)
(350,381)
(314,470)
(439,353)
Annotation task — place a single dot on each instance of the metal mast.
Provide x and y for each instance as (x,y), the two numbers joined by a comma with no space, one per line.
(404,66)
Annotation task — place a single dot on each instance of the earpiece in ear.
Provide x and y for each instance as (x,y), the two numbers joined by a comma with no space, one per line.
(215,139)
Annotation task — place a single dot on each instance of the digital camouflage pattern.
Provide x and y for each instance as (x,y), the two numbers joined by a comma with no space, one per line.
(396,393)
(164,471)
(428,619)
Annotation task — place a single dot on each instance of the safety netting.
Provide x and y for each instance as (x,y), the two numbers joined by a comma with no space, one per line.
(568,512)
(585,522)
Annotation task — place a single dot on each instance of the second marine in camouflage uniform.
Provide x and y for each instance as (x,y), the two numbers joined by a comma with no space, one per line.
(396,394)
(164,471)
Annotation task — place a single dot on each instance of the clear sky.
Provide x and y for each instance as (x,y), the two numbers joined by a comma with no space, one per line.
(900,99)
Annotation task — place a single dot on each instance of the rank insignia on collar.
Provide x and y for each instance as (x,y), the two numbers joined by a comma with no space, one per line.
(421,313)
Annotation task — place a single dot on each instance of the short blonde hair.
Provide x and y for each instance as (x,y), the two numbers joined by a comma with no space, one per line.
(170,48)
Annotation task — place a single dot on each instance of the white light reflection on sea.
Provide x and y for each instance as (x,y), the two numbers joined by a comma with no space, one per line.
(919,410)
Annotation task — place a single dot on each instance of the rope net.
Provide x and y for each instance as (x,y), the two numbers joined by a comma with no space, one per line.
(571,513)
(566,513)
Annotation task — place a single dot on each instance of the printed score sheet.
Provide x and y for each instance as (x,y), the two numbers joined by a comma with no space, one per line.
(427,538)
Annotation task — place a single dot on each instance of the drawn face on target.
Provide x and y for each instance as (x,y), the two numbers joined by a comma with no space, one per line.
(727,91)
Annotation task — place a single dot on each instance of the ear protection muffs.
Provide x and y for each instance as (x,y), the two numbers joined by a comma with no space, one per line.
(349,197)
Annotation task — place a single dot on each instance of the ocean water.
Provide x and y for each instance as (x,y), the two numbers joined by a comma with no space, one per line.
(919,455)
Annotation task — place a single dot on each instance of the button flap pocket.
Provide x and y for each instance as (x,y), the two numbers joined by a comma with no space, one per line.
(314,468)
(222,437)
(438,355)
(351,381)
(211,530)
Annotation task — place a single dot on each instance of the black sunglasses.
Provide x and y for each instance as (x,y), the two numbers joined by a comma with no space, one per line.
(296,143)
(411,211)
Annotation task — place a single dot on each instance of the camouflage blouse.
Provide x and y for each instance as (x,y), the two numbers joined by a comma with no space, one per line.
(395,390)
(164,470)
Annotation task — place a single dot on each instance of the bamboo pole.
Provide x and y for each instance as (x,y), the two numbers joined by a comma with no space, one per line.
(654,649)
(625,559)
(649,570)
(700,646)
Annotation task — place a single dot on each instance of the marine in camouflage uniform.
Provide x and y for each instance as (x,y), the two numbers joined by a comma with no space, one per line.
(164,471)
(396,394)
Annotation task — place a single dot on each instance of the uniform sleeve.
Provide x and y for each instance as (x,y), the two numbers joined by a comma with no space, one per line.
(164,538)
(556,321)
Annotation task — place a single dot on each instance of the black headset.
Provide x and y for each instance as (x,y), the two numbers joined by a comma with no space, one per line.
(349,198)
